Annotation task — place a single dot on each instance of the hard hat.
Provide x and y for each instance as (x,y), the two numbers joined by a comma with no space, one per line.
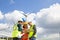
(25,22)
(20,19)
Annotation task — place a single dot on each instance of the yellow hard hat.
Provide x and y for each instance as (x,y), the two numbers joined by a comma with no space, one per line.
(25,23)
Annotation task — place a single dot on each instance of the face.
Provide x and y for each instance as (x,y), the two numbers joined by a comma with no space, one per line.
(20,22)
(25,25)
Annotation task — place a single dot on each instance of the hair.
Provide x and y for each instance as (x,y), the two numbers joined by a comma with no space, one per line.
(25,26)
(19,21)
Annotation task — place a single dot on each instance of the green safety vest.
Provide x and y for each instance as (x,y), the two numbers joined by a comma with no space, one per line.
(15,31)
(31,31)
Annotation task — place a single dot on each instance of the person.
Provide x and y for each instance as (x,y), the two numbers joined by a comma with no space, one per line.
(32,31)
(25,31)
(15,32)
(19,25)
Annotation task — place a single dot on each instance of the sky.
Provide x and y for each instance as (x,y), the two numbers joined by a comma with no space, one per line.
(45,14)
(25,5)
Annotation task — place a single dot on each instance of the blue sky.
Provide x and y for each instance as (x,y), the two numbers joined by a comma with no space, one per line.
(25,5)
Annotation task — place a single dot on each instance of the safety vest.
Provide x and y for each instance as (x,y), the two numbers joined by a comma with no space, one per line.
(31,31)
(15,31)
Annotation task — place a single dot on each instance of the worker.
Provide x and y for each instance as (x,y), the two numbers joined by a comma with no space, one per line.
(32,31)
(25,31)
(19,25)
(15,32)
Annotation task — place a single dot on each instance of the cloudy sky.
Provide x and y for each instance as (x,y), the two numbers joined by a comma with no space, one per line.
(44,13)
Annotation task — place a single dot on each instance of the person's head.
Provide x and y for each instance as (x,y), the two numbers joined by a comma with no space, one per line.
(25,26)
(30,23)
(20,22)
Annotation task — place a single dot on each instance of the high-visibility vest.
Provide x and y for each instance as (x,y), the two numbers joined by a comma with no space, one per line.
(15,31)
(31,32)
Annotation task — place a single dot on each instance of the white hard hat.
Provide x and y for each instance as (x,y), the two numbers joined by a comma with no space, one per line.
(20,19)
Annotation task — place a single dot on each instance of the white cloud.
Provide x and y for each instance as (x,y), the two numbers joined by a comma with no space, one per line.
(50,37)
(3,26)
(1,15)
(54,14)
(49,19)
(40,30)
(49,15)
(14,16)
(5,34)
(53,35)
(31,17)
